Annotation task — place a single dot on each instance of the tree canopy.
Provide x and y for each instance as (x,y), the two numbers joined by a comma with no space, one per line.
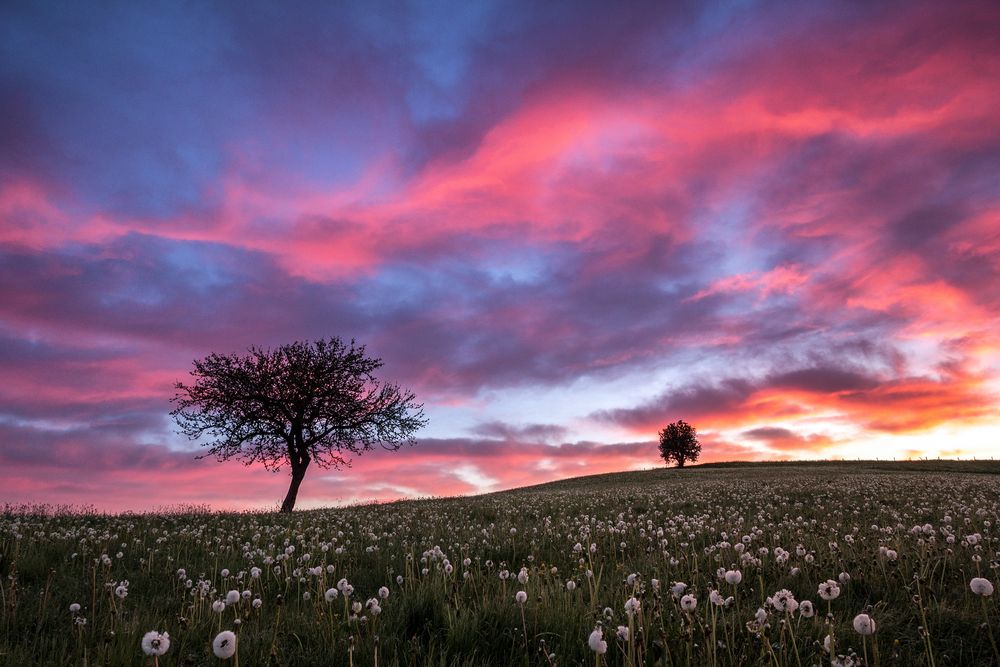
(299,403)
(679,442)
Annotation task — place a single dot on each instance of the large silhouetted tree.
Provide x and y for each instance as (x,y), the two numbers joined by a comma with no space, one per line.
(300,403)
(679,442)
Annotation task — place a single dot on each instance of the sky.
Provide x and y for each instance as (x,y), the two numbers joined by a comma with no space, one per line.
(563,225)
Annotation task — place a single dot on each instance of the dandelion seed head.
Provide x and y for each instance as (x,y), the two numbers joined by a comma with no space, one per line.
(981,586)
(596,641)
(155,643)
(864,624)
(224,645)
(829,590)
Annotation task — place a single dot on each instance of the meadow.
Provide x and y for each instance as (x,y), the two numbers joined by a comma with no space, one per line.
(788,565)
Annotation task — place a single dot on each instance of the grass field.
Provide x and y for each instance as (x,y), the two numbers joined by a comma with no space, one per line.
(639,566)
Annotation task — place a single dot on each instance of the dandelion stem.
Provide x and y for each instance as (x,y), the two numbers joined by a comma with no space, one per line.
(989,629)
(927,630)
(795,646)
(274,634)
(715,658)
(45,597)
(524,628)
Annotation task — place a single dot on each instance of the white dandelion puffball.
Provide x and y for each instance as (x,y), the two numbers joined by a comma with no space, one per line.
(632,606)
(981,586)
(864,625)
(155,643)
(521,597)
(232,597)
(689,602)
(257,602)
(331,594)
(622,633)
(733,577)
(570,585)
(74,608)
(596,642)
(783,600)
(224,645)
(806,609)
(383,592)
(829,590)
(218,606)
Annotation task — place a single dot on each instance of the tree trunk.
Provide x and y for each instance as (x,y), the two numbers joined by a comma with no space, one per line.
(298,473)
(680,462)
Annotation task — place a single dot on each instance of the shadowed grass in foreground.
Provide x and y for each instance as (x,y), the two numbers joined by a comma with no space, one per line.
(644,562)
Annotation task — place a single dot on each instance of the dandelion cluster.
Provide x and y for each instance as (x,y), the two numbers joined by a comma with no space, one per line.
(814,567)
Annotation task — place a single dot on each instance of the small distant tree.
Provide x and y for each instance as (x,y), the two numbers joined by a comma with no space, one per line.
(679,442)
(299,403)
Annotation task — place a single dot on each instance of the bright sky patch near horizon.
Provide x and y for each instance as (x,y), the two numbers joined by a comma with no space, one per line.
(563,225)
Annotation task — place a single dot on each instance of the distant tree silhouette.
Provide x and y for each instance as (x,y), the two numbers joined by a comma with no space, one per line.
(303,402)
(679,442)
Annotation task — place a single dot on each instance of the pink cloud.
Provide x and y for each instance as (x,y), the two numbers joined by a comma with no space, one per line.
(780,280)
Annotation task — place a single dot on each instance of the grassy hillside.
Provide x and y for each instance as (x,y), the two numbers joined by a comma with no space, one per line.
(744,469)
(722,564)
